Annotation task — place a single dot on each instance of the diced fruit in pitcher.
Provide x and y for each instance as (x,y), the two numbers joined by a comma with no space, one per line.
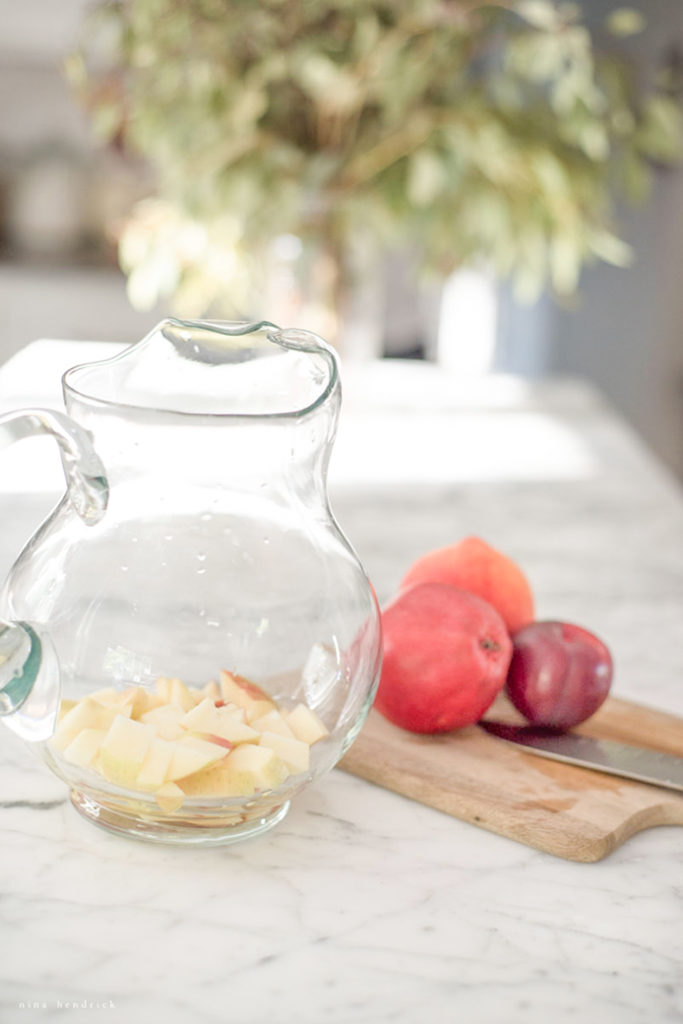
(166,720)
(140,701)
(247,769)
(169,797)
(305,724)
(211,737)
(273,722)
(206,717)
(200,715)
(64,707)
(190,755)
(154,770)
(246,694)
(212,690)
(267,769)
(85,714)
(181,741)
(124,750)
(174,691)
(84,748)
(294,753)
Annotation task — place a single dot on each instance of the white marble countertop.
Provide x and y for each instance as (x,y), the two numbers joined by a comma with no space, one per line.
(362,906)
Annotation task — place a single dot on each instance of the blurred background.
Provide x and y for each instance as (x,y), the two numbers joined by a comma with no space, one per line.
(546,293)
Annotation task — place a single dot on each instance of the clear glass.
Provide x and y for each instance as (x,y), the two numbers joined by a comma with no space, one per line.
(217,550)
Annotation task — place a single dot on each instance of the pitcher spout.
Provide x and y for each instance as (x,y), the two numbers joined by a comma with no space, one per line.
(29,681)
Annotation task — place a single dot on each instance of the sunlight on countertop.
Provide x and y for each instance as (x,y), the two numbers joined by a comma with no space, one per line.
(402,422)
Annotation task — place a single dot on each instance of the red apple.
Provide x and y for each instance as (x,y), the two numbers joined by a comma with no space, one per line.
(559,674)
(474,565)
(446,655)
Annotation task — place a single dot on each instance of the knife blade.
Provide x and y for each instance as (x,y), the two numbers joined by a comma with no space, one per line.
(639,763)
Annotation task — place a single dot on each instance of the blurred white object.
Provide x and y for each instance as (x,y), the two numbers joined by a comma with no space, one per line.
(467,328)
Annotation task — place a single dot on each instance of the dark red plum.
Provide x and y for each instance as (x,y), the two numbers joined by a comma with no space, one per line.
(559,674)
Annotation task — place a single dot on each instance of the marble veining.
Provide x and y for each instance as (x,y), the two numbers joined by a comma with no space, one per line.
(362,906)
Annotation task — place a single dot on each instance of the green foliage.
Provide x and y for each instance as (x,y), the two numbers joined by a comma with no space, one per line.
(496,132)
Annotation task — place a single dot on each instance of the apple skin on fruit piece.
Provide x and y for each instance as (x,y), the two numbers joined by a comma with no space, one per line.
(446,656)
(475,566)
(306,725)
(245,694)
(560,674)
(124,750)
(211,737)
(85,714)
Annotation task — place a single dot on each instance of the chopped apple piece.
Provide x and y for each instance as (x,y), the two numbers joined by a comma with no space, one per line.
(267,768)
(246,694)
(141,701)
(207,718)
(84,747)
(201,715)
(169,797)
(124,750)
(179,694)
(234,730)
(293,752)
(191,755)
(212,690)
(305,724)
(211,737)
(64,706)
(163,688)
(166,720)
(245,770)
(229,710)
(155,767)
(174,691)
(85,714)
(218,780)
(272,722)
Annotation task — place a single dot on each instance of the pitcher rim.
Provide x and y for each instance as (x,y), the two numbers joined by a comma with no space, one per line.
(284,337)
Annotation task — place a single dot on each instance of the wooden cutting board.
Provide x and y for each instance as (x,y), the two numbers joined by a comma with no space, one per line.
(571,812)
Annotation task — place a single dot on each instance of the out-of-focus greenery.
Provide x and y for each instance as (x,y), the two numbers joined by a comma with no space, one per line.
(499,132)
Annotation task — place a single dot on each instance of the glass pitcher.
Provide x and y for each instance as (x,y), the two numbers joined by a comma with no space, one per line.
(189,639)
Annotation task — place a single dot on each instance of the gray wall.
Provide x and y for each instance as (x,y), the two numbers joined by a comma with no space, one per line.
(626,330)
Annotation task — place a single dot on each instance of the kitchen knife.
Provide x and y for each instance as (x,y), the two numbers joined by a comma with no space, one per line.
(639,763)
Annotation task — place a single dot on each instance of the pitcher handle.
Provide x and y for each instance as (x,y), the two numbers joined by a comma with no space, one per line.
(29,672)
(85,475)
